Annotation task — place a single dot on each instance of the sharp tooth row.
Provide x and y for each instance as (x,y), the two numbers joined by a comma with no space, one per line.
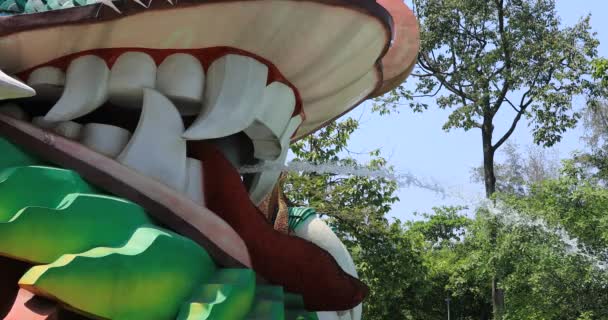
(263,182)
(48,82)
(14,111)
(277,107)
(181,78)
(69,129)
(11,88)
(237,99)
(234,97)
(105,139)
(157,149)
(234,91)
(41,122)
(88,84)
(86,89)
(131,73)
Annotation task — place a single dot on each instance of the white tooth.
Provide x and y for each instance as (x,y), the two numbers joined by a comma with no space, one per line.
(265,132)
(157,149)
(48,82)
(86,89)
(356,312)
(41,122)
(344,315)
(69,129)
(14,111)
(11,88)
(194,186)
(181,78)
(328,315)
(263,182)
(105,139)
(131,72)
(232,99)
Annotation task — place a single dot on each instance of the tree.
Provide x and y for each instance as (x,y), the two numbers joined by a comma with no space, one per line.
(518,172)
(594,161)
(539,269)
(482,57)
(355,207)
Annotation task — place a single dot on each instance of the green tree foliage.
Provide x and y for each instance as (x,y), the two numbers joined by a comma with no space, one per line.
(413,267)
(355,207)
(479,57)
(519,171)
(541,278)
(593,162)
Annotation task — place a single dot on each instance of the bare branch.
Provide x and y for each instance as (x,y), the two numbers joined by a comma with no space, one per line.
(512,105)
(507,52)
(424,61)
(511,129)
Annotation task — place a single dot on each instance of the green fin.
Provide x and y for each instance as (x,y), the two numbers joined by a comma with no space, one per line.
(228,295)
(33,186)
(268,304)
(295,308)
(102,257)
(81,222)
(13,156)
(148,278)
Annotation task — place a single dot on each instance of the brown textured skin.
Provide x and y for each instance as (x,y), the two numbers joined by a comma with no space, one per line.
(296,264)
(281,223)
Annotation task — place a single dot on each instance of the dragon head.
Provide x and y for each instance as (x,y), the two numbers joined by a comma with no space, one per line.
(148,110)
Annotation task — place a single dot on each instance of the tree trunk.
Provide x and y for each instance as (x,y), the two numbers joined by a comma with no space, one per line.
(488,162)
(490,186)
(498,300)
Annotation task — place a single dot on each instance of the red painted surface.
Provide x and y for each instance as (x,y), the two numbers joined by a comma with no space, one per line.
(296,264)
(29,307)
(401,56)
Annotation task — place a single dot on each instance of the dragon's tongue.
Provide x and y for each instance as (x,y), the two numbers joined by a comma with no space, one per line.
(298,265)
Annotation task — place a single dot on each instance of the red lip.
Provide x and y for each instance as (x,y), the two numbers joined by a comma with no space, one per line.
(298,265)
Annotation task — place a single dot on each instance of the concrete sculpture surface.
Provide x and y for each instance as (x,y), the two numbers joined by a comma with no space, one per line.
(123,125)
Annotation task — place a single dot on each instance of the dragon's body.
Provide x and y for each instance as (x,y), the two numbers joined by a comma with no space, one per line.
(123,126)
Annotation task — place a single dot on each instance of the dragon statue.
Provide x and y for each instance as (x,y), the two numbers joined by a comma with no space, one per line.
(123,126)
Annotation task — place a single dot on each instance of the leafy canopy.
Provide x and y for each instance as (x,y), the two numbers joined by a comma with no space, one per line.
(478,56)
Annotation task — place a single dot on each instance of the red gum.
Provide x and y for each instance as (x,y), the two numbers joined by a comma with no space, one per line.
(298,265)
(206,56)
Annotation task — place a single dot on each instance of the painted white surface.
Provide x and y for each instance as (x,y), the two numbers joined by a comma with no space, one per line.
(86,89)
(156,148)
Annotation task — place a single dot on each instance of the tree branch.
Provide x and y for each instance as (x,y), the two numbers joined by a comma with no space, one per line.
(424,61)
(510,131)
(507,52)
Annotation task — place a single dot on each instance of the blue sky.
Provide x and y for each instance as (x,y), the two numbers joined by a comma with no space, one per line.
(415,143)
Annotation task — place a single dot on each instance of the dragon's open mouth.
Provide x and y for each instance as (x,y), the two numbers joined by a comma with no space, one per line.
(162,105)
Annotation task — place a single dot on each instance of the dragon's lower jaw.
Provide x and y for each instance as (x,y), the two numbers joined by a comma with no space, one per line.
(192,188)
